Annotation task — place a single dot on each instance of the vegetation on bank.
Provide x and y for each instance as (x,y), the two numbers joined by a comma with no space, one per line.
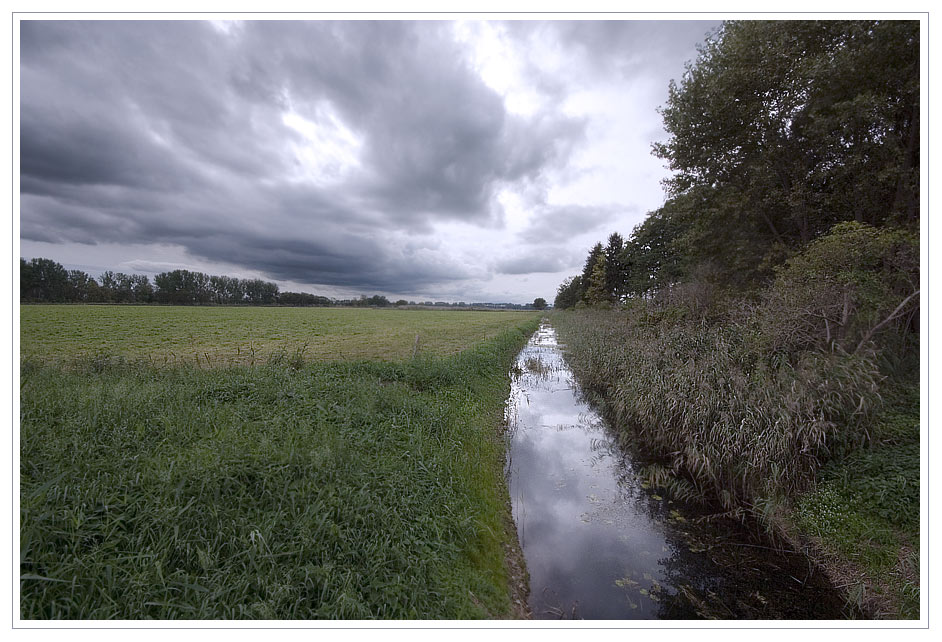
(863,515)
(280,491)
(225,336)
(798,407)
(758,335)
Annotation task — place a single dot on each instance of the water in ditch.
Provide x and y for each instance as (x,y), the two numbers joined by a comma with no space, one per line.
(599,544)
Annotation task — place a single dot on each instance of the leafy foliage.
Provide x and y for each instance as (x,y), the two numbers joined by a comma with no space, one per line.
(843,290)
(778,132)
(794,116)
(569,293)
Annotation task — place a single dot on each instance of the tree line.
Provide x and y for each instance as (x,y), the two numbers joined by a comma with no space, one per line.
(778,132)
(46,281)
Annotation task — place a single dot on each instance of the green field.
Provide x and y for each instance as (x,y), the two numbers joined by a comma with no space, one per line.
(289,489)
(220,336)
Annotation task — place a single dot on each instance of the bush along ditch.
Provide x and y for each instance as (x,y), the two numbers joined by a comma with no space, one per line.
(795,407)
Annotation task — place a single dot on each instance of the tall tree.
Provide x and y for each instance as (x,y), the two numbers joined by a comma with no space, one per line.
(43,280)
(654,256)
(569,293)
(596,291)
(589,266)
(785,128)
(616,274)
(79,286)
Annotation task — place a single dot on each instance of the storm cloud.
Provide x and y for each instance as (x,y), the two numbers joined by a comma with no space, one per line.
(314,152)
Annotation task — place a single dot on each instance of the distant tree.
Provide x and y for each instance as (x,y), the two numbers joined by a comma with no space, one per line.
(94,292)
(27,283)
(43,280)
(568,293)
(182,287)
(142,290)
(596,292)
(79,285)
(402,302)
(109,286)
(302,299)
(260,292)
(653,257)
(539,303)
(589,266)
(616,273)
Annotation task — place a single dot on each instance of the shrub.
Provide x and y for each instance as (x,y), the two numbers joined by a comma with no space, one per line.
(843,291)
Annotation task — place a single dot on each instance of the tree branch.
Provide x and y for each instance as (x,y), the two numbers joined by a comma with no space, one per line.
(892,316)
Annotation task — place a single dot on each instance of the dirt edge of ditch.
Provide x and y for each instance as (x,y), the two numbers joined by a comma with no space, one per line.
(518,578)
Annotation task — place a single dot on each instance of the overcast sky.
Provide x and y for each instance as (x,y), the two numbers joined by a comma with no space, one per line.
(447,161)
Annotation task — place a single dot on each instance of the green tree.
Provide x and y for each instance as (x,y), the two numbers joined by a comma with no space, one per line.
(596,291)
(616,271)
(141,289)
(568,293)
(652,257)
(782,129)
(43,280)
(539,303)
(589,266)
(79,286)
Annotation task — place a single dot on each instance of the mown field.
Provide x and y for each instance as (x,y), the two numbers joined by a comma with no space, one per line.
(289,489)
(222,336)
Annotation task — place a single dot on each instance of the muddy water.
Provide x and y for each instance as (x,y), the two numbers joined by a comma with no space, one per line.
(599,544)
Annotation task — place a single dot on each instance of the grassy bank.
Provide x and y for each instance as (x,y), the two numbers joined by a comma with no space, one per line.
(814,445)
(862,517)
(288,490)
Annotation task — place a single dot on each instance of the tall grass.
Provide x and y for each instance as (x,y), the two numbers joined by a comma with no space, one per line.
(289,490)
(745,426)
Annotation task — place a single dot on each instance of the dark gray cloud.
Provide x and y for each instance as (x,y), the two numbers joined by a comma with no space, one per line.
(175,132)
(332,153)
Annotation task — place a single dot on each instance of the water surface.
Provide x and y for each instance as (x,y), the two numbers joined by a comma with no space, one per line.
(599,544)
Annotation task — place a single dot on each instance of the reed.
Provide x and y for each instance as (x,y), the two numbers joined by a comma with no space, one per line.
(739,424)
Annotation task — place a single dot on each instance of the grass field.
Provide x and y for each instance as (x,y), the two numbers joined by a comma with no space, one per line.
(285,490)
(219,336)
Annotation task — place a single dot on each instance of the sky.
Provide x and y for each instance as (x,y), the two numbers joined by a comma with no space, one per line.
(425,160)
